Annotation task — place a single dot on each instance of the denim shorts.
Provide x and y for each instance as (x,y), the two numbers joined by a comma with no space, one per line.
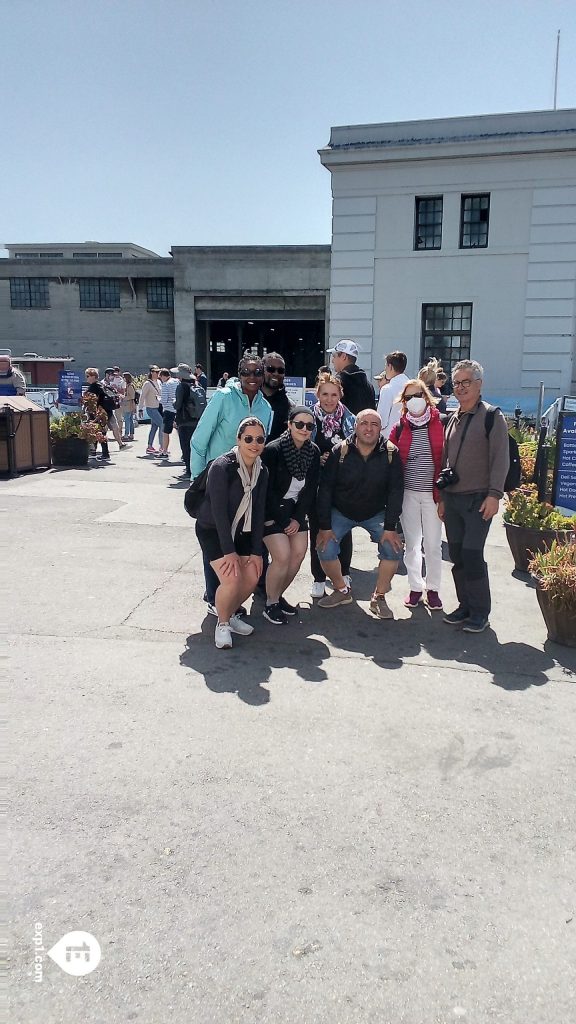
(374,526)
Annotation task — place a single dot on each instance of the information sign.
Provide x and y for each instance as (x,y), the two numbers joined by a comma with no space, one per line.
(564,487)
(69,388)
(295,389)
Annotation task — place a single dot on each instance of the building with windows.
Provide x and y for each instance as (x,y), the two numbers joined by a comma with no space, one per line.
(457,238)
(202,303)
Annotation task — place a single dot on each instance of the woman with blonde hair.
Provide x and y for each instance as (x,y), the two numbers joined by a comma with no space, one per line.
(419,437)
(128,407)
(334,423)
(432,374)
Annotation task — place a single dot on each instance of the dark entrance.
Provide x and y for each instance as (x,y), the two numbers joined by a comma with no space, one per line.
(300,342)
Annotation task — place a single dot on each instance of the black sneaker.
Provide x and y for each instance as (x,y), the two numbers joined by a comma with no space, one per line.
(288,609)
(457,617)
(241,613)
(274,613)
(476,624)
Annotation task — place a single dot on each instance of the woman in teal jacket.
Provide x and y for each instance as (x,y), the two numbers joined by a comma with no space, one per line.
(218,425)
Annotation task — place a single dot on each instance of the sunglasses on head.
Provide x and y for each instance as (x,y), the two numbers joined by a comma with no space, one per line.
(252,373)
(249,439)
(303,425)
(276,369)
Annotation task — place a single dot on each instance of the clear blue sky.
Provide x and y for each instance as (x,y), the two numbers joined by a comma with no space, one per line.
(195,122)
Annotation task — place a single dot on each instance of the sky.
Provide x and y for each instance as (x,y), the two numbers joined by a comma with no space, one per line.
(197,122)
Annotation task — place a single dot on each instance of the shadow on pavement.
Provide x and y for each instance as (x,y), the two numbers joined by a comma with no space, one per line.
(247,668)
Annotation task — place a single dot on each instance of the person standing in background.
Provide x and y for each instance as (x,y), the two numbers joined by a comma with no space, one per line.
(168,386)
(189,403)
(201,377)
(150,400)
(128,407)
(358,391)
(388,408)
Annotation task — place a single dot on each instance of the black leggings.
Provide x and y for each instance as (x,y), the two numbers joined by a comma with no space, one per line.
(345,550)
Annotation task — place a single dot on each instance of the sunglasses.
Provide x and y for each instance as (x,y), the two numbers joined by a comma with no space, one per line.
(276,369)
(303,425)
(415,394)
(252,373)
(248,439)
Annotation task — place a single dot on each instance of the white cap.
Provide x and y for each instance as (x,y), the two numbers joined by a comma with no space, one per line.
(349,348)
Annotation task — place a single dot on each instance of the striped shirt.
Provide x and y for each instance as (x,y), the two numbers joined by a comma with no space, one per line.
(168,394)
(419,468)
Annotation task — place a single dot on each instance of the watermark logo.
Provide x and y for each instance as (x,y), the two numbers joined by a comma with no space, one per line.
(76,953)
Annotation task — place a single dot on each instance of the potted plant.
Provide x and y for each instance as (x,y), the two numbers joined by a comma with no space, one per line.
(532,525)
(554,572)
(72,435)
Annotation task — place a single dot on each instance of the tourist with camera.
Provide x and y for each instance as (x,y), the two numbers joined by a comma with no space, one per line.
(475,462)
(419,437)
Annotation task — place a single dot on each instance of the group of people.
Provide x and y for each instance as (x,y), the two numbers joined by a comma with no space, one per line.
(272,474)
(171,398)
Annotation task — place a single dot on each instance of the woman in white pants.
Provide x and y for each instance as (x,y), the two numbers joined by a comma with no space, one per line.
(419,437)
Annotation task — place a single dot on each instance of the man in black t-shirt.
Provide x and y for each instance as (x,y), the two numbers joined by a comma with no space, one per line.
(358,391)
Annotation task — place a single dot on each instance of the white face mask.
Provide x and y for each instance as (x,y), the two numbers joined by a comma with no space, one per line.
(416,406)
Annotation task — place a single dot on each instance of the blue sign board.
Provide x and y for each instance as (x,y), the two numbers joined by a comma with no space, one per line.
(69,388)
(564,491)
(310,399)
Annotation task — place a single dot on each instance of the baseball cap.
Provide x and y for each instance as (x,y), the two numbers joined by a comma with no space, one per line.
(182,370)
(349,348)
(109,369)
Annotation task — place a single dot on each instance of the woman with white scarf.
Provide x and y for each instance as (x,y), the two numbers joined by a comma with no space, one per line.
(230,526)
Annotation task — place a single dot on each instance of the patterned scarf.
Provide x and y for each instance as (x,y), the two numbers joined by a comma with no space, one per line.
(298,460)
(330,422)
(419,421)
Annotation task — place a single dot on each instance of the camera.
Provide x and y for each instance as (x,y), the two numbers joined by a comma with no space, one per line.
(447,478)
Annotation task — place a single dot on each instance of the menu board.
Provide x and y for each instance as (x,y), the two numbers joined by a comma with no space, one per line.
(564,487)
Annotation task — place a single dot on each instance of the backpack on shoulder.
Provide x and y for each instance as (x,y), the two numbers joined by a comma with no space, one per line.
(196,493)
(514,474)
(111,399)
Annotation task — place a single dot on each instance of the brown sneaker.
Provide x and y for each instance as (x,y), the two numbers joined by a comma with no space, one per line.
(335,598)
(380,608)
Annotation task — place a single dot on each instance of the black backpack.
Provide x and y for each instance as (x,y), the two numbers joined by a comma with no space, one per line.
(514,475)
(196,493)
(111,400)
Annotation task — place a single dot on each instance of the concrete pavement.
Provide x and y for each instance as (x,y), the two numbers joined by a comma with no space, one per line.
(341,820)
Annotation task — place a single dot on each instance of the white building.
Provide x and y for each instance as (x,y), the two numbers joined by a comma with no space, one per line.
(457,238)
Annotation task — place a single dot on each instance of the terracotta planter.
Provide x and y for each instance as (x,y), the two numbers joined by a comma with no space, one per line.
(560,621)
(70,451)
(525,541)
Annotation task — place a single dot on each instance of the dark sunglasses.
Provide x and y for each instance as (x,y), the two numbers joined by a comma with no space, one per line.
(417,394)
(276,369)
(250,440)
(303,425)
(252,373)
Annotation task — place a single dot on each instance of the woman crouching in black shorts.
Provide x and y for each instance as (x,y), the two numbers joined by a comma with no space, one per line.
(230,524)
(293,463)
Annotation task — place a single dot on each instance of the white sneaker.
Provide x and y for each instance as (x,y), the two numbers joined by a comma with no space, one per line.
(347,581)
(239,625)
(223,635)
(211,609)
(318,589)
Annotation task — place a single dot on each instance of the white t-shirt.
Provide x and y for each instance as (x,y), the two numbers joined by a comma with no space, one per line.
(294,489)
(389,410)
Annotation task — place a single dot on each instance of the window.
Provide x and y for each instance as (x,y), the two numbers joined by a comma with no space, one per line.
(428,223)
(446,331)
(29,292)
(474,216)
(160,293)
(99,293)
(83,255)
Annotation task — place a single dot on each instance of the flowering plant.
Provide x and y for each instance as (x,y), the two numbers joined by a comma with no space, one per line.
(524,509)
(555,571)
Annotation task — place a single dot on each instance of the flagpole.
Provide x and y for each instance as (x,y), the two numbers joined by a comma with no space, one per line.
(556,68)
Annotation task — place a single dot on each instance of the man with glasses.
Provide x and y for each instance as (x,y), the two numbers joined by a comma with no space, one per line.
(217,428)
(275,393)
(475,463)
